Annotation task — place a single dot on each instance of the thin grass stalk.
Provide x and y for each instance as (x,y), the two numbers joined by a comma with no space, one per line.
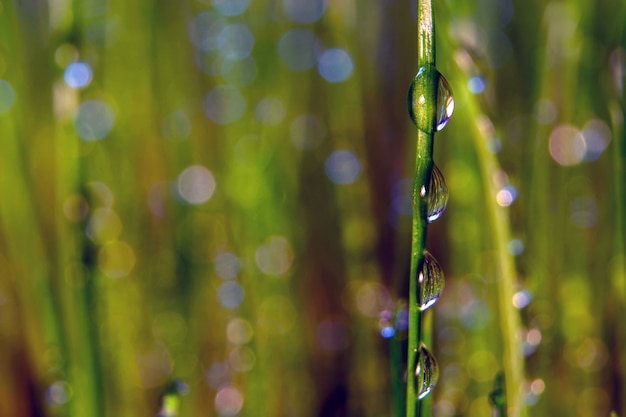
(513,362)
(499,224)
(423,169)
(619,244)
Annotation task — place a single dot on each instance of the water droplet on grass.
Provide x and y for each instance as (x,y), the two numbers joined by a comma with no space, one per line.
(426,115)
(497,397)
(426,372)
(431,281)
(436,195)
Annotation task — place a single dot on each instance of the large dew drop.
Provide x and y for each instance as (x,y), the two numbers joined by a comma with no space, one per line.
(436,195)
(430,281)
(426,115)
(426,372)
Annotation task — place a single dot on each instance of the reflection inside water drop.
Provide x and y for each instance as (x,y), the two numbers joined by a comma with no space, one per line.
(437,195)
(426,115)
(431,281)
(426,372)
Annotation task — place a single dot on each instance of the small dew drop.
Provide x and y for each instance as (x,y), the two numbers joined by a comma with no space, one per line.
(427,116)
(431,282)
(426,372)
(437,195)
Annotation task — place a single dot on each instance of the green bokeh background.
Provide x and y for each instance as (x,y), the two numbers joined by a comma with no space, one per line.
(113,296)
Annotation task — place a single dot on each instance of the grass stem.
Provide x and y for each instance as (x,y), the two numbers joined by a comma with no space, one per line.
(423,169)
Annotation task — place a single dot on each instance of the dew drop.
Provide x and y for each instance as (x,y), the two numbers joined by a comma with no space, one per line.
(426,116)
(430,281)
(497,396)
(436,195)
(426,372)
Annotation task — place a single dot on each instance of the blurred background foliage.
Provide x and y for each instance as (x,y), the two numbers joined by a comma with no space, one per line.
(205,205)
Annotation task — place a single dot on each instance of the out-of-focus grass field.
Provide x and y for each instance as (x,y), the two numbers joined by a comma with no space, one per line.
(205,205)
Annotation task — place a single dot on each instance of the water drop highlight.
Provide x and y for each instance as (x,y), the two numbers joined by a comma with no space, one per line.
(431,282)
(426,115)
(426,372)
(436,195)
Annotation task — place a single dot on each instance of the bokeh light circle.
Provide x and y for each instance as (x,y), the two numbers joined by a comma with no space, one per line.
(235,41)
(270,111)
(275,257)
(227,265)
(298,49)
(230,294)
(307,131)
(343,167)
(225,104)
(116,259)
(228,401)
(567,145)
(7,96)
(304,11)
(196,184)
(204,30)
(335,65)
(93,120)
(231,7)
(78,75)
(239,331)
